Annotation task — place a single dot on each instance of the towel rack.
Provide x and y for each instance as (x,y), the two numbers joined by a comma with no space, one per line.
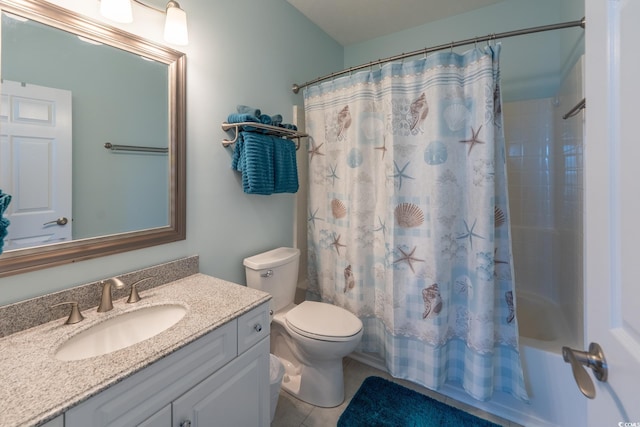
(575,110)
(115,147)
(270,130)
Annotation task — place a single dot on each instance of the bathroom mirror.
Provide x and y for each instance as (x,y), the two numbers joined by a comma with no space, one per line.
(106,86)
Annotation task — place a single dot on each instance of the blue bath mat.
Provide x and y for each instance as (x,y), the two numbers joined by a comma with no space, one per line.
(382,403)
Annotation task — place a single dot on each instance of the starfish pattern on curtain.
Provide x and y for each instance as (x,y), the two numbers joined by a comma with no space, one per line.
(408,217)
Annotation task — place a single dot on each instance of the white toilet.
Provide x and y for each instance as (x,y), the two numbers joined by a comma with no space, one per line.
(310,338)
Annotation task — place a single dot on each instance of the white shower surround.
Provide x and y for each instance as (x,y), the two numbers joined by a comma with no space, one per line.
(544,165)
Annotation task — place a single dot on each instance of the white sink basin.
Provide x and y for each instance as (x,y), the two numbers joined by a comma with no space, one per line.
(121,331)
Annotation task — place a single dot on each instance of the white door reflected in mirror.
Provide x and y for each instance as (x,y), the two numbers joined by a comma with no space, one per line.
(35,154)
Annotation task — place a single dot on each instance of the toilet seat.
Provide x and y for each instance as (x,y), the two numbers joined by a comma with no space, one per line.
(322,321)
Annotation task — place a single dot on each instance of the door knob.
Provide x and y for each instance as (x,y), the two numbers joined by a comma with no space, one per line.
(60,221)
(594,359)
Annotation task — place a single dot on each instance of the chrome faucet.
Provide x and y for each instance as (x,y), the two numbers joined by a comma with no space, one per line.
(106,302)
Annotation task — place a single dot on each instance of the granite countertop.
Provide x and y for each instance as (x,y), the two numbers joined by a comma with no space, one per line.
(36,387)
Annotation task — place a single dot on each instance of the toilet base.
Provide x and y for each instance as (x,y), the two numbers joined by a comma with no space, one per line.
(321,385)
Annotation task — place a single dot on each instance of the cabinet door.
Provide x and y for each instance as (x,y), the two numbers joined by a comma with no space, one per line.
(236,395)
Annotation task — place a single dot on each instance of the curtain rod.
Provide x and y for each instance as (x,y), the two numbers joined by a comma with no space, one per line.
(569,24)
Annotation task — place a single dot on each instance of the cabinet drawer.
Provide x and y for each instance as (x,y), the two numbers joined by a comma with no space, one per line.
(253,326)
(162,418)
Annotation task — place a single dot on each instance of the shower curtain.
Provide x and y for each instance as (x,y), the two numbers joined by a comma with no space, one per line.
(408,224)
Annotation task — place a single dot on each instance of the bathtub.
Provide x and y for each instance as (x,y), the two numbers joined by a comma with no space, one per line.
(554,397)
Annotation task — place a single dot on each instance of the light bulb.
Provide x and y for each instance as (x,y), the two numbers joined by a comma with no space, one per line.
(175,25)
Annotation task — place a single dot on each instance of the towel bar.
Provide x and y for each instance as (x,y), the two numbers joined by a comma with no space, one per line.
(116,147)
(270,130)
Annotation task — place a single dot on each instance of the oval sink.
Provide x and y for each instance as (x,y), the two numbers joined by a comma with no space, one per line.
(121,331)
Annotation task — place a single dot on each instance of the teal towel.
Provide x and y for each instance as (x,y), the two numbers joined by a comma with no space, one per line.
(236,158)
(267,163)
(245,109)
(288,126)
(5,199)
(286,169)
(239,118)
(276,119)
(257,163)
(265,119)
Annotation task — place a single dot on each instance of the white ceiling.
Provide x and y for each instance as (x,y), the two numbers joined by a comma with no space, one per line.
(354,21)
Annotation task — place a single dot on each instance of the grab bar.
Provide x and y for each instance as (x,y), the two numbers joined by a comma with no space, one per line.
(575,110)
(115,147)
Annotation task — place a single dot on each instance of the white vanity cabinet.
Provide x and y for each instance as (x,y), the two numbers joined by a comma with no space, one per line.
(221,379)
(56,422)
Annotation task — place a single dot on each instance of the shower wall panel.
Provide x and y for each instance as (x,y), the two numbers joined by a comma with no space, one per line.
(545,172)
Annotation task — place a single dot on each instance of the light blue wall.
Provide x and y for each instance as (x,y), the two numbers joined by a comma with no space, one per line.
(240,52)
(531,65)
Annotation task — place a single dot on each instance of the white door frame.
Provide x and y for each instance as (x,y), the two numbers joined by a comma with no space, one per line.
(612,163)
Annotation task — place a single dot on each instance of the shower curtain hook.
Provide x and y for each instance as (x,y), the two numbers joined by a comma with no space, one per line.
(451,48)
(425,53)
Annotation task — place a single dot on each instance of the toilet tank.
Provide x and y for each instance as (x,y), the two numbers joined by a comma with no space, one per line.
(274,272)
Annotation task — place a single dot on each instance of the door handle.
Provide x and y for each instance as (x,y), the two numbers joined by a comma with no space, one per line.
(594,359)
(60,221)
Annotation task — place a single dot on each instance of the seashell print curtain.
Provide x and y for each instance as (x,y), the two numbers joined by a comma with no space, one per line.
(408,224)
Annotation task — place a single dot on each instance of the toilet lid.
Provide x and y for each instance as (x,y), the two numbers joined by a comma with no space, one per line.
(321,320)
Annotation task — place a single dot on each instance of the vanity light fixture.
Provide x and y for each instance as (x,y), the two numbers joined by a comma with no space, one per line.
(117,10)
(175,23)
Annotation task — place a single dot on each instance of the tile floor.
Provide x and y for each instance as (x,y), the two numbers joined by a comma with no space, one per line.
(292,412)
